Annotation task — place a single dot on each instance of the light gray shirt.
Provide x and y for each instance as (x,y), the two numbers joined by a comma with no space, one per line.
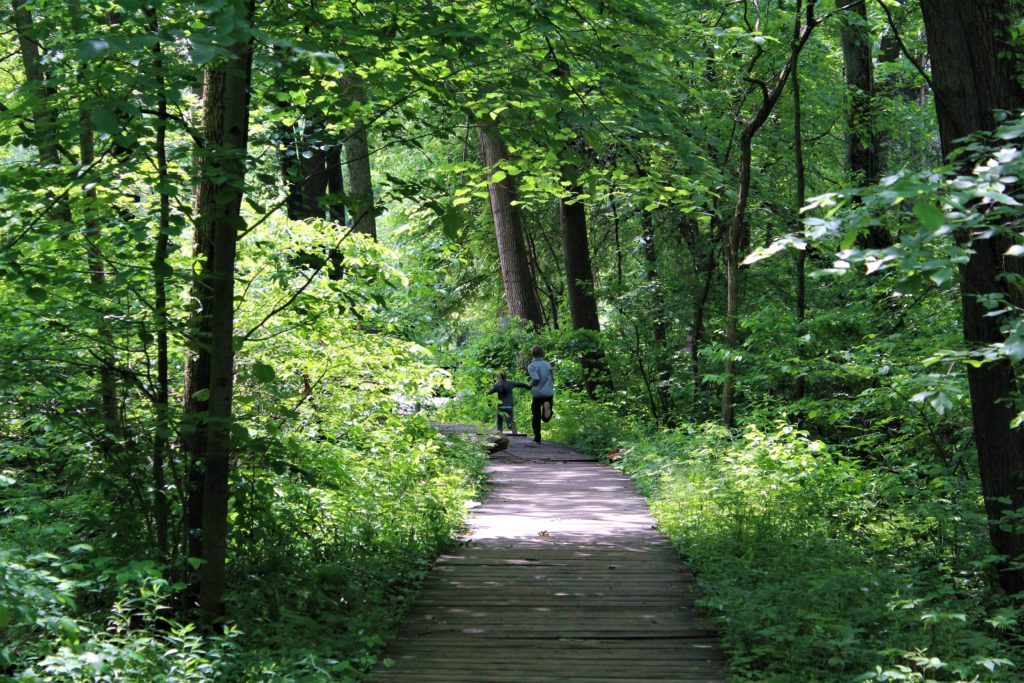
(542,380)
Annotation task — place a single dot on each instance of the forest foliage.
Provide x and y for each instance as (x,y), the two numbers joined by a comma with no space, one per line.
(251,249)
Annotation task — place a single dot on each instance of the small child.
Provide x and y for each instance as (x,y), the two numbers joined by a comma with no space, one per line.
(503,388)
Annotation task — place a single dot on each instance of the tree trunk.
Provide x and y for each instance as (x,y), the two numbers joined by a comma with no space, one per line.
(974,71)
(357,162)
(161,395)
(579,276)
(659,326)
(305,166)
(97,269)
(217,220)
(860,89)
(737,228)
(44,116)
(46,138)
(800,171)
(520,288)
(862,158)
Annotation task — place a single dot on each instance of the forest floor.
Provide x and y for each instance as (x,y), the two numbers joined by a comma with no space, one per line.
(562,577)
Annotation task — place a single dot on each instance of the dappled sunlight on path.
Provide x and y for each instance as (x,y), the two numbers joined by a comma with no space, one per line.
(563,577)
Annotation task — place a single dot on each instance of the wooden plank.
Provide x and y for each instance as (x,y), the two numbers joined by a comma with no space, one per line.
(563,577)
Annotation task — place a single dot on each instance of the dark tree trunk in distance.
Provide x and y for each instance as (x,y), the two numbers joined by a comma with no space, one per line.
(974,73)
(357,163)
(862,149)
(579,276)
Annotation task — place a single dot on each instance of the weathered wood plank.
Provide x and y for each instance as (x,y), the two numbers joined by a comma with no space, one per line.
(563,577)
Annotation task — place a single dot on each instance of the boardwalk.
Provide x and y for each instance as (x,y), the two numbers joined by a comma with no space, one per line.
(563,578)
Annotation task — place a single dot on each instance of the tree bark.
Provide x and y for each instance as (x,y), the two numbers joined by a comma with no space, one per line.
(800,171)
(209,389)
(357,163)
(44,116)
(97,269)
(974,71)
(161,268)
(520,287)
(305,166)
(579,276)
(659,326)
(861,143)
(862,148)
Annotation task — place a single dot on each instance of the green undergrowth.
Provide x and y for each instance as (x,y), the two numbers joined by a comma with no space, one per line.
(817,567)
(326,553)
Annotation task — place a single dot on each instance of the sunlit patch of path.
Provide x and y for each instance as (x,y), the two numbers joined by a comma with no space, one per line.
(563,578)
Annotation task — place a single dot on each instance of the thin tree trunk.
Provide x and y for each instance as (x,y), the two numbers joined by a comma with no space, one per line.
(520,287)
(697,336)
(737,228)
(800,171)
(544,281)
(217,210)
(47,141)
(659,326)
(974,70)
(357,162)
(97,269)
(161,268)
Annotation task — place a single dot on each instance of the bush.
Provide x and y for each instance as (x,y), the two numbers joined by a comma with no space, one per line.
(817,568)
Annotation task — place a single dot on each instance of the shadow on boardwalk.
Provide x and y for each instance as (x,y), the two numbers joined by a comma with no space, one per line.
(563,578)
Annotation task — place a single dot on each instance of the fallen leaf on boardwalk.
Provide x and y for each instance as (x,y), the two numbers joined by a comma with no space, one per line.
(543,533)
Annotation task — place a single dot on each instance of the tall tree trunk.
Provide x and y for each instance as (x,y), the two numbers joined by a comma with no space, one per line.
(46,137)
(161,395)
(862,158)
(800,171)
(218,201)
(974,71)
(861,144)
(357,162)
(97,268)
(737,228)
(520,287)
(579,276)
(44,116)
(659,326)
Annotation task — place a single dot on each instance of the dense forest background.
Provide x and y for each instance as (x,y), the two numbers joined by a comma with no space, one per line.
(251,249)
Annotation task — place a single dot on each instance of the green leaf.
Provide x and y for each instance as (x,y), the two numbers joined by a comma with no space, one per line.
(195,562)
(451,223)
(104,120)
(263,372)
(92,48)
(931,216)
(497,177)
(37,294)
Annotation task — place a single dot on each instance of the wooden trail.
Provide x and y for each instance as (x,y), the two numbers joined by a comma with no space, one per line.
(563,578)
